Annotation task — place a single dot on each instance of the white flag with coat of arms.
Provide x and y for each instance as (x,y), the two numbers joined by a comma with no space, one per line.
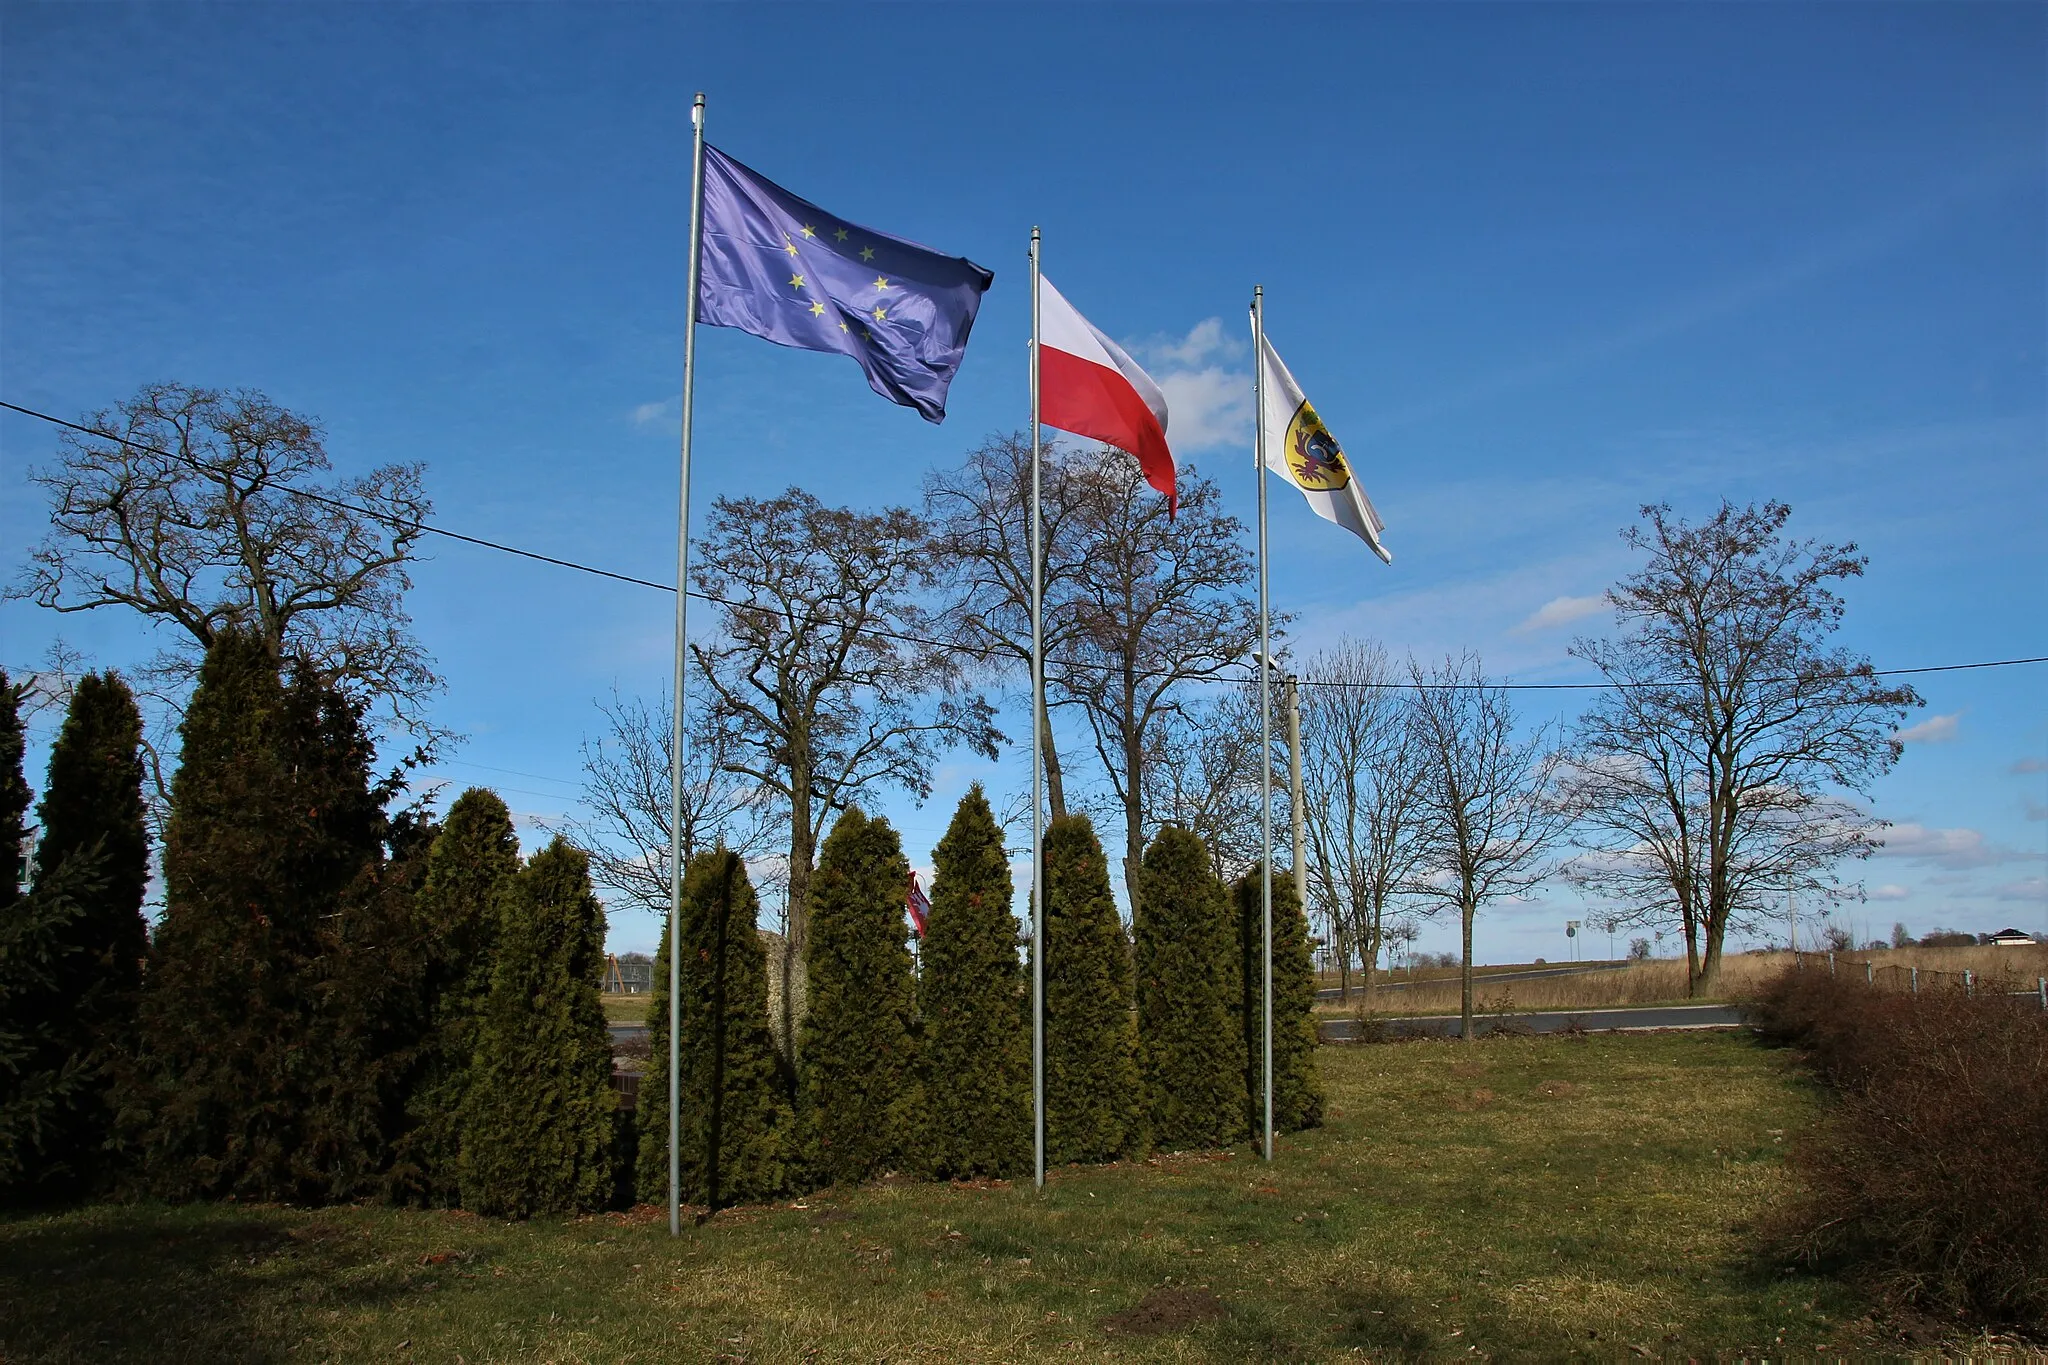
(1301,450)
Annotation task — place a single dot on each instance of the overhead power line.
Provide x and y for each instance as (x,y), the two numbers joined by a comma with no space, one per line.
(428,528)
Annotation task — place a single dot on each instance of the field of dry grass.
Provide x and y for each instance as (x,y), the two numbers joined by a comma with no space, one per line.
(1662,981)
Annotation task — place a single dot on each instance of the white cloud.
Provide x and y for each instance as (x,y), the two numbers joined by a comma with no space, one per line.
(2027,765)
(2036,811)
(667,410)
(1889,893)
(1561,611)
(1207,408)
(1933,730)
(1205,341)
(2028,890)
(1951,848)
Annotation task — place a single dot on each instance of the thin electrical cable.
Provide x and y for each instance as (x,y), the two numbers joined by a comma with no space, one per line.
(428,528)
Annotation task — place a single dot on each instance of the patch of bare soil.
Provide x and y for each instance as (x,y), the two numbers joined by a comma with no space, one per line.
(1163,1311)
(1477,1100)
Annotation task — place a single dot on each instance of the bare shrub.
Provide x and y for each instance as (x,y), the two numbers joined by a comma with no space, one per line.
(1926,1178)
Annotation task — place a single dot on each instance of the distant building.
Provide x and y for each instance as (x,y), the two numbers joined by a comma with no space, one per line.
(2012,938)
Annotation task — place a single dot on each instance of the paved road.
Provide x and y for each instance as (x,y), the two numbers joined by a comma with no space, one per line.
(1383,984)
(1445,1025)
(1554,1021)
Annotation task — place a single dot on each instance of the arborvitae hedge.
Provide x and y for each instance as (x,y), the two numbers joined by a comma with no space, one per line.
(44,1077)
(1191,1044)
(735,1091)
(537,1121)
(14,792)
(250,1080)
(976,1052)
(93,800)
(859,1104)
(456,914)
(1094,1108)
(91,814)
(1297,1086)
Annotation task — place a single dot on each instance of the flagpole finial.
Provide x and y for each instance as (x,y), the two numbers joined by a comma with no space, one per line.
(697,110)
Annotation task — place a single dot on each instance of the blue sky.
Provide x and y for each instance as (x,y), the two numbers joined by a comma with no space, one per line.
(1535,264)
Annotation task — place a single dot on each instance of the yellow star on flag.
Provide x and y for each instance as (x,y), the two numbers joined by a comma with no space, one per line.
(880,314)
(796,281)
(843,327)
(809,232)
(788,245)
(817,309)
(867,253)
(881,283)
(840,235)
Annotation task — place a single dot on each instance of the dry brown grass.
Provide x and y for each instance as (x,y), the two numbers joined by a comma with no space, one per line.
(1662,980)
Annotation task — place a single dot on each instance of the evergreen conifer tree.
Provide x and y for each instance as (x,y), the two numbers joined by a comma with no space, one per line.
(1297,1085)
(976,1051)
(14,792)
(44,1076)
(1094,1106)
(537,1119)
(734,1087)
(1190,1041)
(456,913)
(859,1103)
(93,800)
(91,814)
(252,1076)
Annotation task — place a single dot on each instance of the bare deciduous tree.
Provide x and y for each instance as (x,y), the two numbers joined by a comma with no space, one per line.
(626,789)
(1487,807)
(821,681)
(189,520)
(1156,602)
(980,517)
(1362,770)
(1202,773)
(1714,775)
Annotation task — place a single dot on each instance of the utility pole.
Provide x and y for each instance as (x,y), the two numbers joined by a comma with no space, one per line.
(1293,697)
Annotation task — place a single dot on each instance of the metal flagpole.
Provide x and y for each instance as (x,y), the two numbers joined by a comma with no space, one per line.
(1037,766)
(1265,701)
(676,738)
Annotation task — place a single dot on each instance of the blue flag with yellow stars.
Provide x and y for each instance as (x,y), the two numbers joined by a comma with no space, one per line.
(786,270)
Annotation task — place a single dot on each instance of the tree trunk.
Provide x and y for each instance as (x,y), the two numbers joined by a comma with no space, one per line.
(1710,966)
(1134,815)
(1055,785)
(802,856)
(1465,1005)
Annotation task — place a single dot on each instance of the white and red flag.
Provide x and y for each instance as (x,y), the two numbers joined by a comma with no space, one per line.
(1089,386)
(918,904)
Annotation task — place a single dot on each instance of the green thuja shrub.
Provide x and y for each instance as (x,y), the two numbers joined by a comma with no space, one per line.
(1190,1038)
(1093,1096)
(858,1098)
(14,793)
(537,1118)
(976,1050)
(737,1139)
(91,814)
(257,1074)
(1297,1086)
(455,909)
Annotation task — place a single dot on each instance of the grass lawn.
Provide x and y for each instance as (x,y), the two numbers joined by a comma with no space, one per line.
(1535,1198)
(626,1008)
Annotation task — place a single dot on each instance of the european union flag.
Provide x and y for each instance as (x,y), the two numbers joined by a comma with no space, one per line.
(786,270)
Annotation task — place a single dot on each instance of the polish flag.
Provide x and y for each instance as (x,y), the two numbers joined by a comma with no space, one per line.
(919,905)
(1087,385)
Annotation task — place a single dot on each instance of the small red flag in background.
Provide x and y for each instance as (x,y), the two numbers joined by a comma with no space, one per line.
(918,904)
